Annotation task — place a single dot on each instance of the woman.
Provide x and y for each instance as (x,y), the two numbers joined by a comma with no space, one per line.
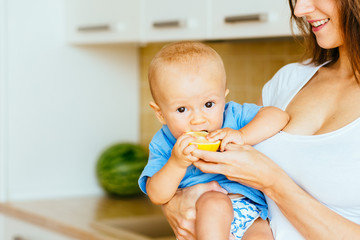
(309,171)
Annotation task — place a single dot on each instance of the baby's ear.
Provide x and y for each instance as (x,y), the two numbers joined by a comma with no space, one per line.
(227,92)
(158,112)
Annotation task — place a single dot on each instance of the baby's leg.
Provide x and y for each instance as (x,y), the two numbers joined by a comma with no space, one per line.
(259,230)
(214,214)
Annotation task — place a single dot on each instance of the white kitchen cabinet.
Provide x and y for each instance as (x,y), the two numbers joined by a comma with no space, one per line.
(102,21)
(233,19)
(170,20)
(19,230)
(142,21)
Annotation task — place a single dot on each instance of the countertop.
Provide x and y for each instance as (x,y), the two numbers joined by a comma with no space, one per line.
(75,217)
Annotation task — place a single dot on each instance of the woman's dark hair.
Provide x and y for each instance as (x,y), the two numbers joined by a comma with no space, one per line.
(349,14)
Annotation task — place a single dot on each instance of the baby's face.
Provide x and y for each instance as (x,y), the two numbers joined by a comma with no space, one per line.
(192,100)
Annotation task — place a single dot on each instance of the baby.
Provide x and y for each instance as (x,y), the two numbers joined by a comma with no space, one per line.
(188,85)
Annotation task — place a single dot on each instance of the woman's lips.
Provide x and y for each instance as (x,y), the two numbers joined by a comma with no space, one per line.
(318,24)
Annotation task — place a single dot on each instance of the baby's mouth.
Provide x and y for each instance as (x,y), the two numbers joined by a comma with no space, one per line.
(193,130)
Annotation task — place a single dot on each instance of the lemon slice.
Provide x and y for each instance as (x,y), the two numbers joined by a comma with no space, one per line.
(203,143)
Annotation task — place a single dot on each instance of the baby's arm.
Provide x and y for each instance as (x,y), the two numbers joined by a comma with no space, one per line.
(162,185)
(266,123)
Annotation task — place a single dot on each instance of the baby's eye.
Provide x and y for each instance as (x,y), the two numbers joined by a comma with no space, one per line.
(181,109)
(209,104)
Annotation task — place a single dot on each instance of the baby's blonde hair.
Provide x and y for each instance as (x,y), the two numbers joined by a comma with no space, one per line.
(187,53)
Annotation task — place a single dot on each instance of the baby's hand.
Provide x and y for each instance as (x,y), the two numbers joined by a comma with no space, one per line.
(181,153)
(226,135)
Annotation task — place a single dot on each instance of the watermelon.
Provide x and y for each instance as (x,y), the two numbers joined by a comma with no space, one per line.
(119,167)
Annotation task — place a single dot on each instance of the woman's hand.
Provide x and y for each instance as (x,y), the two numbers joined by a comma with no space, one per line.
(180,210)
(240,163)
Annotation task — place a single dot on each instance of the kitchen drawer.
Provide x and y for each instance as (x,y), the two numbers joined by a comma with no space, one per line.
(102,21)
(232,19)
(170,20)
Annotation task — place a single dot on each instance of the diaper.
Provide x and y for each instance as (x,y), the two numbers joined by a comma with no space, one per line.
(245,213)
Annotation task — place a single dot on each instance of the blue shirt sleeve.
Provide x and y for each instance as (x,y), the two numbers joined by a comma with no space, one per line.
(236,116)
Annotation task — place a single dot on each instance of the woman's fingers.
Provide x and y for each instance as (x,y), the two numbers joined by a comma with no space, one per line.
(188,230)
(231,151)
(182,225)
(184,230)
(224,143)
(208,156)
(234,147)
(184,235)
(208,167)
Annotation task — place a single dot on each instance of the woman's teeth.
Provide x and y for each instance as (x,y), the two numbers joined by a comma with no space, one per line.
(319,23)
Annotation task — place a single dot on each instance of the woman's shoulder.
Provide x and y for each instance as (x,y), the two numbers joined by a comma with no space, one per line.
(296,68)
(287,81)
(294,73)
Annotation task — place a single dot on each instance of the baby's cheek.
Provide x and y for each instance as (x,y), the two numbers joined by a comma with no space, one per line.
(175,131)
(217,125)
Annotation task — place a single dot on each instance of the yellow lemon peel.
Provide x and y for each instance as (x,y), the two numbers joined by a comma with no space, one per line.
(202,143)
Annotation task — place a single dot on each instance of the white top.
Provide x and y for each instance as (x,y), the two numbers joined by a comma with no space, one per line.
(327,166)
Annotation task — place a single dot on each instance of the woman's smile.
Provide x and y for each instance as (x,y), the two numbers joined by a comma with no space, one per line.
(318,24)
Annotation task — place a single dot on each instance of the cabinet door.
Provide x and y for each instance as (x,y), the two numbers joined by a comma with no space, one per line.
(18,230)
(171,20)
(102,21)
(249,19)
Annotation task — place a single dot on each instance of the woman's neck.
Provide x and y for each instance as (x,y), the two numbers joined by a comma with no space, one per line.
(343,64)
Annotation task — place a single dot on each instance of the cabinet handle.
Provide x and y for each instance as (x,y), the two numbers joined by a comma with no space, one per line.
(169,24)
(18,238)
(246,18)
(94,28)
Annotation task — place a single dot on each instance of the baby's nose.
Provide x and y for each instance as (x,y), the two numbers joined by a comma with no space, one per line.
(197,119)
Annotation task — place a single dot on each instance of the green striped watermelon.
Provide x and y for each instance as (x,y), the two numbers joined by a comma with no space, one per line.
(119,167)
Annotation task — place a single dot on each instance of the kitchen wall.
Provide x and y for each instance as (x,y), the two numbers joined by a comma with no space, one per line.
(60,105)
(249,65)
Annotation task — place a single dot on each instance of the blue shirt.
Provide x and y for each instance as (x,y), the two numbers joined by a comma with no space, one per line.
(235,116)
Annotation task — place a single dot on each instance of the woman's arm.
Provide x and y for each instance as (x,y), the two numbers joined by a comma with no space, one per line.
(311,218)
(246,165)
